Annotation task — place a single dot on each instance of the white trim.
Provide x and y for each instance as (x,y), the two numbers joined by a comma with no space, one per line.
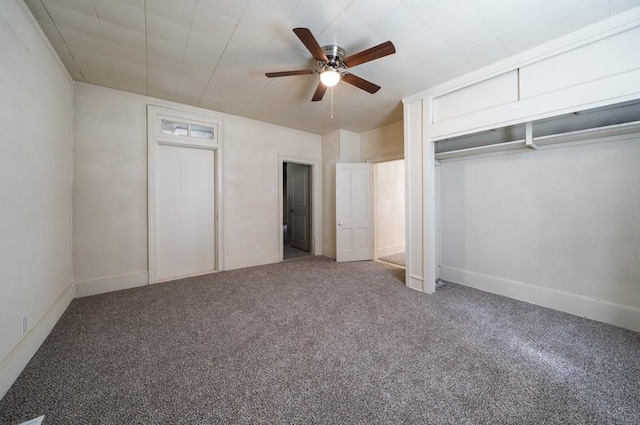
(438,214)
(415,282)
(316,203)
(579,305)
(413,135)
(154,139)
(604,92)
(91,287)
(15,362)
(44,39)
(429,223)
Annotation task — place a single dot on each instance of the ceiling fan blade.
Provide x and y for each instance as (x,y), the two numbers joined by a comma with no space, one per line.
(360,83)
(375,52)
(319,94)
(310,42)
(288,73)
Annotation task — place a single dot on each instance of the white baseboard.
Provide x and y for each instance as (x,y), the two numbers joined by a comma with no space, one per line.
(109,284)
(416,282)
(603,311)
(12,365)
(389,250)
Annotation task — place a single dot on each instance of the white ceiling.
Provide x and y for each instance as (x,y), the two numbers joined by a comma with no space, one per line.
(214,53)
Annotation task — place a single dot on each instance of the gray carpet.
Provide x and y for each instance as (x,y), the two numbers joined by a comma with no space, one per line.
(290,252)
(399,259)
(315,341)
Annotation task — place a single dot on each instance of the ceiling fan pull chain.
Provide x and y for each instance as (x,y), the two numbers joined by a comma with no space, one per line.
(331,102)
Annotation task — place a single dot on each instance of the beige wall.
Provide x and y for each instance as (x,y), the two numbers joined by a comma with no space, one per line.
(389,208)
(110,202)
(35,189)
(330,156)
(349,146)
(382,143)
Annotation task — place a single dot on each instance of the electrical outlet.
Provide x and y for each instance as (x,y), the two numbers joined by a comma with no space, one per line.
(257,248)
(24,325)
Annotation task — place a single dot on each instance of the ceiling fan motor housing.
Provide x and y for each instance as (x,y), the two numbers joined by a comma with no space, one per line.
(334,53)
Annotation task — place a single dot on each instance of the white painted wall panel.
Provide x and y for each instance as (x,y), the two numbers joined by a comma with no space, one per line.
(499,90)
(36,117)
(591,62)
(413,113)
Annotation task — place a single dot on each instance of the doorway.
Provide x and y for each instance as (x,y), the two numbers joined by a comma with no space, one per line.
(184,194)
(296,210)
(389,212)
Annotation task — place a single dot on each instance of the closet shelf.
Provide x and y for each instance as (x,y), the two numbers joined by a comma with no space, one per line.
(585,135)
(589,133)
(497,147)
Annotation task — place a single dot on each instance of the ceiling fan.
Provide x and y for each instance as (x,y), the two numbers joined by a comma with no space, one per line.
(334,66)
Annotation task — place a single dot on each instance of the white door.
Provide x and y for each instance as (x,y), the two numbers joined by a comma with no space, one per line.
(298,200)
(354,217)
(185,212)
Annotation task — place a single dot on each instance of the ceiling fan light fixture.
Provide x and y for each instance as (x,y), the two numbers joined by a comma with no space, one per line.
(330,77)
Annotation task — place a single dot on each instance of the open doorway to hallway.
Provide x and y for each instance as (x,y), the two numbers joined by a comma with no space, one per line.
(296,210)
(389,212)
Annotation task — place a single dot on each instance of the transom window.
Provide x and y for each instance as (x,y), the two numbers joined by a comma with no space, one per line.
(185,129)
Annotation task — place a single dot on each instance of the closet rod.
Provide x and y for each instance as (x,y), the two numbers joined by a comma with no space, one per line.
(544,141)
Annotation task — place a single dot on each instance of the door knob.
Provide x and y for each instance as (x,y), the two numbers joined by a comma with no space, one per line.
(340,224)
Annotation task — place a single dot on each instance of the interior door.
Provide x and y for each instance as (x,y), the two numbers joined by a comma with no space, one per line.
(298,200)
(354,212)
(185,211)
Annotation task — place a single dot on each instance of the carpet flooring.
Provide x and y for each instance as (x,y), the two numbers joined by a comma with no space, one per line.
(315,341)
(290,252)
(399,259)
